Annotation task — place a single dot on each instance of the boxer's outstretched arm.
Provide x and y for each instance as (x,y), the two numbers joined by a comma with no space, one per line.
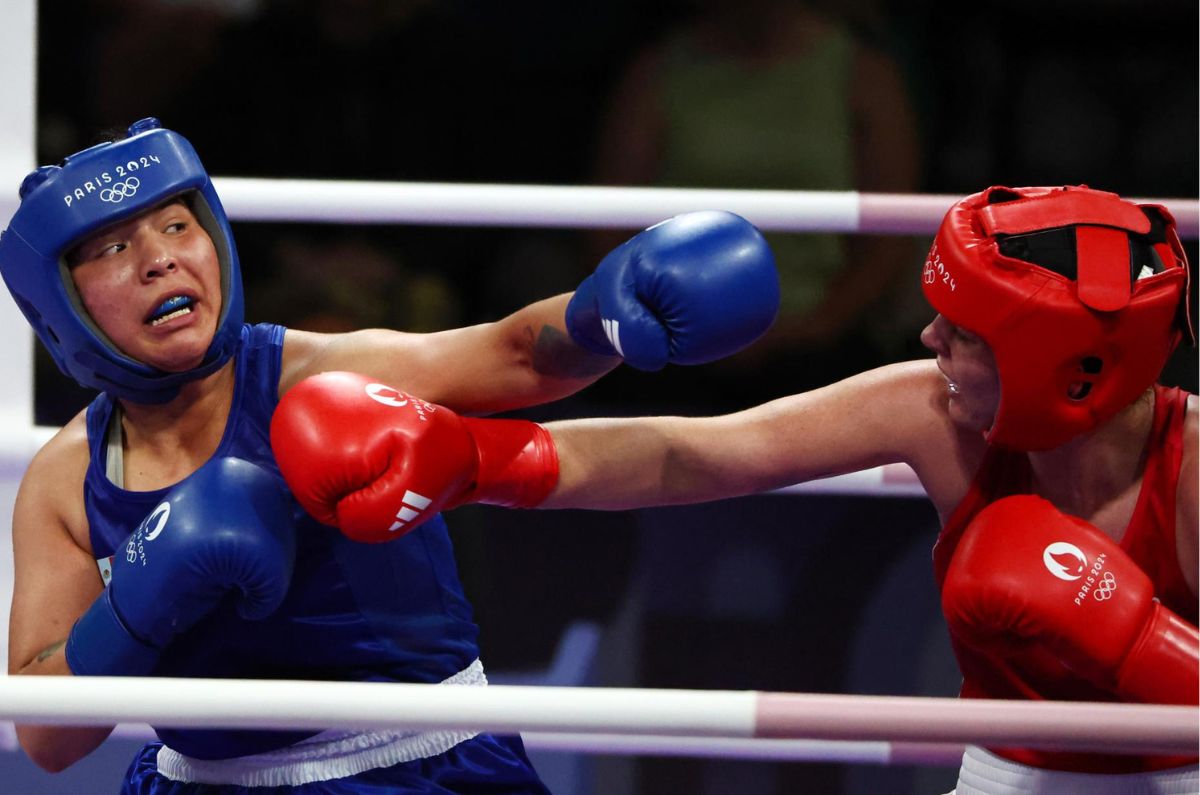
(524,359)
(692,289)
(882,416)
(376,461)
(615,464)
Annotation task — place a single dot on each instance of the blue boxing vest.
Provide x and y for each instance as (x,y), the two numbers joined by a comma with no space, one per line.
(391,612)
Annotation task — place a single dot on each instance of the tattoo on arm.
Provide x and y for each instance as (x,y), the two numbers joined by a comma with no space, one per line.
(554,354)
(48,652)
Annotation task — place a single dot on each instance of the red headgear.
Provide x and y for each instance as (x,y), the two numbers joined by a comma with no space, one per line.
(1070,352)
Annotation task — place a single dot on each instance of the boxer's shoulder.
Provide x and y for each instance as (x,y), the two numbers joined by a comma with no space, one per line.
(1191,436)
(944,455)
(915,397)
(1187,497)
(52,487)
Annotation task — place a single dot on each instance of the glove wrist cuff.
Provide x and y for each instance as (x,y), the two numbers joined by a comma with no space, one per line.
(518,463)
(1163,666)
(101,645)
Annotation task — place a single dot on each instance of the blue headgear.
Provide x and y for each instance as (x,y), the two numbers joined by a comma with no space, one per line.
(91,190)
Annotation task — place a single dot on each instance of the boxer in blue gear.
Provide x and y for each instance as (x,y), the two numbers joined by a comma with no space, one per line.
(393,613)
(123,262)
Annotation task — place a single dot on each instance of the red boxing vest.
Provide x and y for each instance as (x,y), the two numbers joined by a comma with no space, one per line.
(1035,674)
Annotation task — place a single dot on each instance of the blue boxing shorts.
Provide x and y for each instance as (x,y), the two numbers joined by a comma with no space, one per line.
(350,763)
(483,763)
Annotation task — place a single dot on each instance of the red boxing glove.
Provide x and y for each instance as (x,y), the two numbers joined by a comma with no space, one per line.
(1026,573)
(376,462)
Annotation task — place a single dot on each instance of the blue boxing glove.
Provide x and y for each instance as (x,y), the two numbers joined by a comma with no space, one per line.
(689,290)
(225,530)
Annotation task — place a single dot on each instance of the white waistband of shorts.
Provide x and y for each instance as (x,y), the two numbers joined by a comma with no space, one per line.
(984,773)
(323,757)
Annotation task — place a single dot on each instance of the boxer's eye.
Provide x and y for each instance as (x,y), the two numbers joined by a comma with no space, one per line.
(965,335)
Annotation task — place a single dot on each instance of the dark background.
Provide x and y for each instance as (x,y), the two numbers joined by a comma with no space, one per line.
(777,592)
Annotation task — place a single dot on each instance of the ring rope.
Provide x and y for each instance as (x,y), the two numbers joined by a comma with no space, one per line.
(507,709)
(760,749)
(588,206)
(18,447)
(747,748)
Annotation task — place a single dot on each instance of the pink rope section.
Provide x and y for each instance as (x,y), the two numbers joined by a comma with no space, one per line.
(750,748)
(1114,728)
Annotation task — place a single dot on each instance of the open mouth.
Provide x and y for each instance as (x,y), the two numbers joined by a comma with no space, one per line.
(173,307)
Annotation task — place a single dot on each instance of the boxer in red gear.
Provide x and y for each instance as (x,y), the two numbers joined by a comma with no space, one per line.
(1057,309)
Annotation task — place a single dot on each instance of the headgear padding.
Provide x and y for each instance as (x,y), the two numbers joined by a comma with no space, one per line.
(1071,352)
(91,190)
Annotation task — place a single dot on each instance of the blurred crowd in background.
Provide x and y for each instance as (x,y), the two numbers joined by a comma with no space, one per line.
(927,96)
(921,96)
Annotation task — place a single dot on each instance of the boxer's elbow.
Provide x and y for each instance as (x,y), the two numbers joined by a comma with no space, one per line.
(55,748)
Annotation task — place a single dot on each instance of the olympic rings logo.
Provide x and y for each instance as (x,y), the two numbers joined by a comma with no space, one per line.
(120,190)
(1108,584)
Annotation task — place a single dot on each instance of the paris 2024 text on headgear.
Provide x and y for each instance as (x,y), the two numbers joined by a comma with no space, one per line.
(91,190)
(1080,294)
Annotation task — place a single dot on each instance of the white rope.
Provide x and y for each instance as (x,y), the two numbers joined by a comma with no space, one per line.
(576,206)
(255,704)
(749,748)
(752,748)
(18,446)
(889,480)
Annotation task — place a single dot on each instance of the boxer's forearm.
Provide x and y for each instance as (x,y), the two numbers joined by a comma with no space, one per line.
(614,464)
(54,748)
